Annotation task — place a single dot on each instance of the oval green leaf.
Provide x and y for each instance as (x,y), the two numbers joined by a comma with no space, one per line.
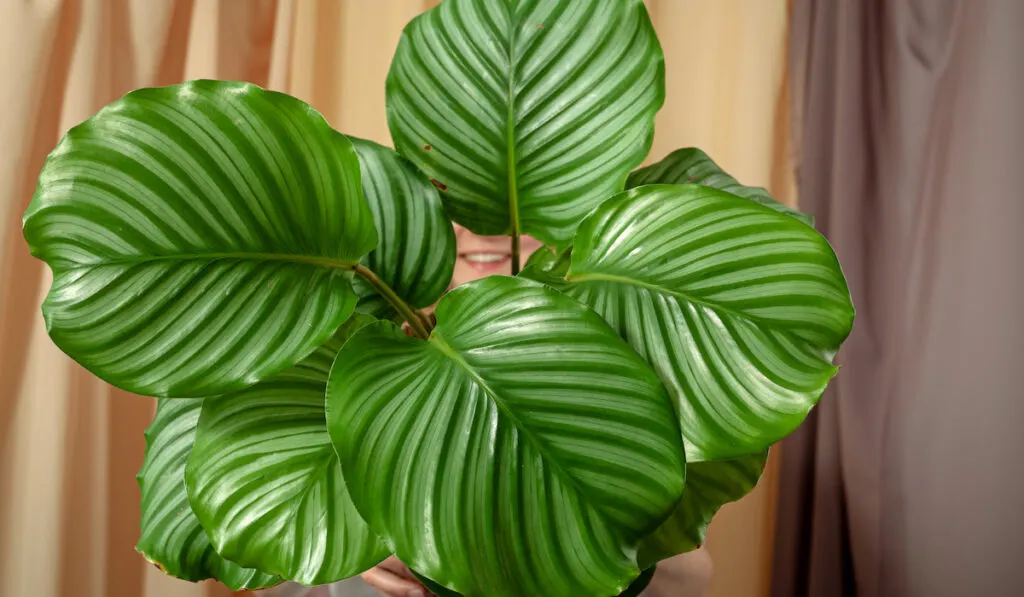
(739,308)
(709,486)
(171,536)
(415,252)
(200,237)
(266,483)
(692,166)
(526,115)
(524,449)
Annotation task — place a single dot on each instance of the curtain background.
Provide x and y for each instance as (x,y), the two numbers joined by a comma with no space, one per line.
(70,445)
(905,481)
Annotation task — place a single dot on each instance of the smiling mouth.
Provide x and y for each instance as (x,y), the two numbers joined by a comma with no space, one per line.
(486,261)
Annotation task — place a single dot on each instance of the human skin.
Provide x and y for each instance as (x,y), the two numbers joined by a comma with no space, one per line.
(686,575)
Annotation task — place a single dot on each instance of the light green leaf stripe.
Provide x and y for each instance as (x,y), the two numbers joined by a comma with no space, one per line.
(692,166)
(524,449)
(415,252)
(526,113)
(709,486)
(200,237)
(266,483)
(171,536)
(738,308)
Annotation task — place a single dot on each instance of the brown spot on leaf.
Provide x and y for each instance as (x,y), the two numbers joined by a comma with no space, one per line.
(427,148)
(440,185)
(540,26)
(691,179)
(155,563)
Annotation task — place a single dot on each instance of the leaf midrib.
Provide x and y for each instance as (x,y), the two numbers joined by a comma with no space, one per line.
(285,257)
(442,346)
(510,132)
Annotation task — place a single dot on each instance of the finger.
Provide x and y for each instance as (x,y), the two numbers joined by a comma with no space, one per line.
(390,584)
(395,565)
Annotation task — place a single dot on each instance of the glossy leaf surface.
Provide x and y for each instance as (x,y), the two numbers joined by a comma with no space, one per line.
(523,450)
(692,166)
(266,483)
(738,308)
(709,486)
(526,114)
(200,237)
(415,251)
(171,536)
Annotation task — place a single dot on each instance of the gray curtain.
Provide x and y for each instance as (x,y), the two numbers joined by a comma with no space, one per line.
(909,124)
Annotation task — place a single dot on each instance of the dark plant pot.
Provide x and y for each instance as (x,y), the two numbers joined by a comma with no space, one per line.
(632,590)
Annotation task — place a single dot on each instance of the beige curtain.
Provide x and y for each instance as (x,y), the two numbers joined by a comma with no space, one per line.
(71,445)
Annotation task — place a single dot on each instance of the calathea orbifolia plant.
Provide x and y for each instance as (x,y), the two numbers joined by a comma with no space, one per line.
(220,247)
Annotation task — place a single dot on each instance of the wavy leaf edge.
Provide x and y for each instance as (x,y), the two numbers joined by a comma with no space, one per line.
(423,150)
(152,542)
(134,190)
(440,347)
(568,272)
(340,545)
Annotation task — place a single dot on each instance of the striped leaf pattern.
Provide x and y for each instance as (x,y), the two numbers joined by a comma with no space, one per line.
(171,536)
(526,113)
(200,236)
(738,308)
(709,486)
(524,449)
(266,483)
(692,166)
(415,252)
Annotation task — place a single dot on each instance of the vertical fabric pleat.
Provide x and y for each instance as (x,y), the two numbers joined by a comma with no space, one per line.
(911,138)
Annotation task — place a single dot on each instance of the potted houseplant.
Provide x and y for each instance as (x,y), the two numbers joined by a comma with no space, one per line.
(558,432)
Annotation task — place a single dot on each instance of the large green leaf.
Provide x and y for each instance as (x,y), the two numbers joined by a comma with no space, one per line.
(709,486)
(415,251)
(692,166)
(739,308)
(201,237)
(526,113)
(265,481)
(171,536)
(524,449)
